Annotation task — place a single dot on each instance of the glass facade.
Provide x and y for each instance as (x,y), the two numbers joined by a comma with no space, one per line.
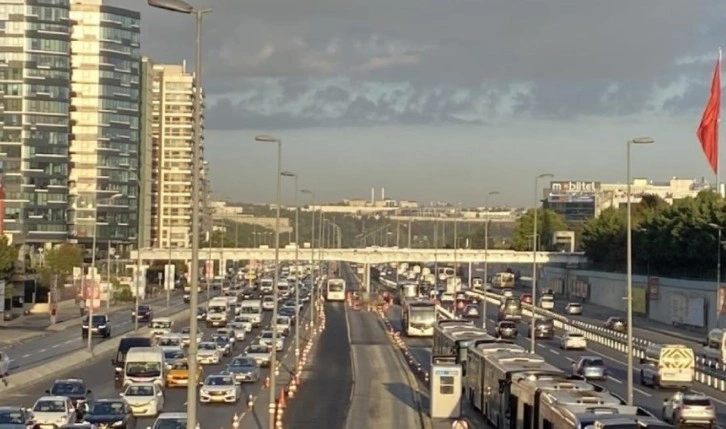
(35,64)
(105,130)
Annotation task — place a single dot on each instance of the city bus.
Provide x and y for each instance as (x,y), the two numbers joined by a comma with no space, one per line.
(335,289)
(419,318)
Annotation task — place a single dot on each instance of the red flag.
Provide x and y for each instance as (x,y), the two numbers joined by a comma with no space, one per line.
(708,128)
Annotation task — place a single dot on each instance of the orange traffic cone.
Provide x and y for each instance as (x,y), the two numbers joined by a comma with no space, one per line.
(282,402)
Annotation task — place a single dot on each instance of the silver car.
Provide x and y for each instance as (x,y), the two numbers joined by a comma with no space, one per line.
(689,408)
(208,353)
(266,339)
(223,342)
(229,332)
(260,353)
(574,308)
(244,369)
(220,388)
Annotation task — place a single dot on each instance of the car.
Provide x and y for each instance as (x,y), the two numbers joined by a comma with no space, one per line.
(544,328)
(245,321)
(54,410)
(506,329)
(83,425)
(171,355)
(143,313)
(144,399)
(187,297)
(617,324)
(229,332)
(114,413)
(268,303)
(289,313)
(208,353)
(689,408)
(239,330)
(185,333)
(171,340)
(508,293)
(177,420)
(260,353)
(573,340)
(471,311)
(201,313)
(547,302)
(266,339)
(160,326)
(100,326)
(223,342)
(590,367)
(4,364)
(574,308)
(283,325)
(16,418)
(447,298)
(244,369)
(526,298)
(178,374)
(73,388)
(220,388)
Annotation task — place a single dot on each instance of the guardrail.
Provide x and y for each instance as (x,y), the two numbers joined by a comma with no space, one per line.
(709,372)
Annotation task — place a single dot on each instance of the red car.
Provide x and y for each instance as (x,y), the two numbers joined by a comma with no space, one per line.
(526,298)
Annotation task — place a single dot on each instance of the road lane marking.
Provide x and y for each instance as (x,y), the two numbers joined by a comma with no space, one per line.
(541,345)
(715,399)
(554,352)
(642,392)
(42,350)
(26,355)
(569,358)
(615,380)
(55,346)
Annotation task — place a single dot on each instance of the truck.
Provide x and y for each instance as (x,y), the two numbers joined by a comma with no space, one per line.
(503,280)
(218,312)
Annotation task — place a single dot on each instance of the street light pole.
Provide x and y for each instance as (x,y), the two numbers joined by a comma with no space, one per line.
(273,358)
(534,261)
(629,298)
(486,257)
(297,272)
(312,255)
(180,6)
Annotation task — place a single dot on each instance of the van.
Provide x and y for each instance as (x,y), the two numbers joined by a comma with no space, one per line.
(251,310)
(668,365)
(266,285)
(218,312)
(283,289)
(144,365)
(547,302)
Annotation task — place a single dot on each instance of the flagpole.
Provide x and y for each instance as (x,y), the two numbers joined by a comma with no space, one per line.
(718,152)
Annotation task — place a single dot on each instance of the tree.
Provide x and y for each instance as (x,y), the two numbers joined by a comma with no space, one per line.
(604,238)
(60,260)
(547,223)
(8,256)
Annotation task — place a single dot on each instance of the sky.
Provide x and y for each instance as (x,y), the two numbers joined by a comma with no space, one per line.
(445,100)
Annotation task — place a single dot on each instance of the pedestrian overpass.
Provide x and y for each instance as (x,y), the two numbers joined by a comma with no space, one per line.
(371,255)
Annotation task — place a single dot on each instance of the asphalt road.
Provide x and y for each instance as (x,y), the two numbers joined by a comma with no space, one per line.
(35,352)
(98,375)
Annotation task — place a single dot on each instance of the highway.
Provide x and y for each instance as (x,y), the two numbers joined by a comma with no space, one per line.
(99,377)
(37,351)
(550,349)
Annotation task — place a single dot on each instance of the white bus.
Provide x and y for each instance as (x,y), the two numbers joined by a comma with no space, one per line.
(419,318)
(335,289)
(144,365)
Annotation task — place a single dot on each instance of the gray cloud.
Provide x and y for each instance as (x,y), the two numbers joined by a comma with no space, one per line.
(350,62)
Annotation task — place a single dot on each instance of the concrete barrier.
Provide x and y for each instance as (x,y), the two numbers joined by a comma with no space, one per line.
(75,359)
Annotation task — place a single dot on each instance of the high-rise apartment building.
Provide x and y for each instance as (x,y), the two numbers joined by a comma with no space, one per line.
(105,129)
(146,153)
(173,137)
(35,64)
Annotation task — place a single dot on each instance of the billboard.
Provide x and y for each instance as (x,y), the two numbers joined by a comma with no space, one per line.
(567,198)
(569,186)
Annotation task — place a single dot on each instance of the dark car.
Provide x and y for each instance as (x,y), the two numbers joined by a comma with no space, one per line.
(100,326)
(144,314)
(288,312)
(506,329)
(111,413)
(15,418)
(75,390)
(471,311)
(201,313)
(543,328)
(617,324)
(123,347)
(248,293)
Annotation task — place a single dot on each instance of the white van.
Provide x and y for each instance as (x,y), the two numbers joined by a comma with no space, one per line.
(251,310)
(668,365)
(283,289)
(144,365)
(160,326)
(218,312)
(268,303)
(266,285)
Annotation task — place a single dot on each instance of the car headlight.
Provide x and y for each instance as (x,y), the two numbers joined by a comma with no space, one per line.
(118,423)
(101,326)
(62,419)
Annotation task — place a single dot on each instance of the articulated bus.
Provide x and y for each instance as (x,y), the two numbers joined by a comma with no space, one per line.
(335,289)
(419,318)
(452,339)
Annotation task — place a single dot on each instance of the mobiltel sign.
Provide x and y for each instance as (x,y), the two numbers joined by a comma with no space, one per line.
(575,187)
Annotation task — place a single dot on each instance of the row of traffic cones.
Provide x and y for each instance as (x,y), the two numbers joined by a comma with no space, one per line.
(395,337)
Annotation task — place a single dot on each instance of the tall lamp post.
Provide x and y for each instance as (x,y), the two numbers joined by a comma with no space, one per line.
(297,265)
(532,344)
(93,271)
(486,257)
(180,6)
(273,358)
(717,304)
(629,280)
(312,254)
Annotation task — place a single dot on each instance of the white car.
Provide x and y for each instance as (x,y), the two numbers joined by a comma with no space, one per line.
(144,399)
(54,410)
(171,421)
(573,340)
(208,353)
(283,324)
(260,353)
(4,364)
(220,388)
(268,303)
(160,326)
(185,339)
(245,321)
(266,340)
(229,332)
(239,330)
(508,293)
(574,308)
(547,302)
(171,340)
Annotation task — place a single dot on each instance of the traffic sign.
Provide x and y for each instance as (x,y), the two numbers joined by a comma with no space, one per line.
(169,272)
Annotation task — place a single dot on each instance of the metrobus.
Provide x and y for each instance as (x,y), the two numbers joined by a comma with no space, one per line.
(335,289)
(407,290)
(452,339)
(419,318)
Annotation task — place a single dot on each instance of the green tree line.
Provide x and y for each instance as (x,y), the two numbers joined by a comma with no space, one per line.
(668,240)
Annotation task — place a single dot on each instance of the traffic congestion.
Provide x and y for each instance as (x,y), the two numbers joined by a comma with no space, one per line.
(145,384)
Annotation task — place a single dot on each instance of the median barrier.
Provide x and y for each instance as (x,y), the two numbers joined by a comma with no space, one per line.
(75,359)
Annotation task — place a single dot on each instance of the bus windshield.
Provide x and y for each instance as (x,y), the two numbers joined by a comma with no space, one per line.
(336,286)
(423,315)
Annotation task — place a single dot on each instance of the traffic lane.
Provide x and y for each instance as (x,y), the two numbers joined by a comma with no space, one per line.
(323,398)
(99,374)
(382,395)
(29,355)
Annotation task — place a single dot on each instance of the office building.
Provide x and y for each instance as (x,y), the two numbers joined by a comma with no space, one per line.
(105,131)
(34,78)
(173,137)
